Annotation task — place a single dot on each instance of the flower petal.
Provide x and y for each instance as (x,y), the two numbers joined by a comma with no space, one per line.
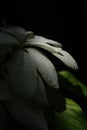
(4,53)
(31,116)
(7,44)
(67,59)
(41,96)
(49,75)
(45,67)
(3,117)
(45,40)
(43,45)
(6,39)
(16,32)
(54,48)
(22,75)
(19,33)
(4,92)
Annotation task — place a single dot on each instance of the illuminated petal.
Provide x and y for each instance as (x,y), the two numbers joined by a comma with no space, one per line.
(67,59)
(43,45)
(45,67)
(54,48)
(44,40)
(49,76)
(22,75)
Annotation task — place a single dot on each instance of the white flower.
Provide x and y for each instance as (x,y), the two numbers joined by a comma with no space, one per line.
(27,75)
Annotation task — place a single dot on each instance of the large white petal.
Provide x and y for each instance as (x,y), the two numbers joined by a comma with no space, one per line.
(31,116)
(44,40)
(45,68)
(22,75)
(54,48)
(67,59)
(43,45)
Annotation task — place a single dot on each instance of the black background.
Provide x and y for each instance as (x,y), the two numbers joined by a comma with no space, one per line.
(61,20)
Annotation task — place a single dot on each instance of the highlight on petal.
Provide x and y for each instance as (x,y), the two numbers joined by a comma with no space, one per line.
(55,48)
(44,40)
(45,67)
(48,74)
(43,45)
(29,35)
(67,59)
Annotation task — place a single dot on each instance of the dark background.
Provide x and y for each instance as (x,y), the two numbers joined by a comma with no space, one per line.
(61,20)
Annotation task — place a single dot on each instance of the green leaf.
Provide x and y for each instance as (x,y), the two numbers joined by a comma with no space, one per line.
(72,118)
(70,82)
